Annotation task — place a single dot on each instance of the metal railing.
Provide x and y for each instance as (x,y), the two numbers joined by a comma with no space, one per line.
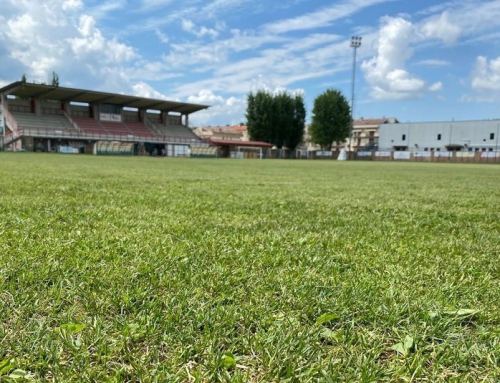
(79,135)
(71,121)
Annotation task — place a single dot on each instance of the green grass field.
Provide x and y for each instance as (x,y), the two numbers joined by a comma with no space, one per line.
(174,270)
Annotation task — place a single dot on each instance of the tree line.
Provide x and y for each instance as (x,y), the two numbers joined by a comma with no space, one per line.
(279,118)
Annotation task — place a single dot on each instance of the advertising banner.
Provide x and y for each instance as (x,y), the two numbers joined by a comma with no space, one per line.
(465,154)
(364,154)
(402,155)
(444,154)
(383,154)
(323,153)
(422,154)
(110,117)
(490,154)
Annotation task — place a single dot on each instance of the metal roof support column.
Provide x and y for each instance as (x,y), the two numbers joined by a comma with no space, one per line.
(36,106)
(141,114)
(94,108)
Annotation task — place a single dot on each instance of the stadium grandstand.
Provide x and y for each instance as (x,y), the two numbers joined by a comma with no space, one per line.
(48,118)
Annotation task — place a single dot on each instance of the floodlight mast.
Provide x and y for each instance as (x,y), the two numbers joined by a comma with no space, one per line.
(355,44)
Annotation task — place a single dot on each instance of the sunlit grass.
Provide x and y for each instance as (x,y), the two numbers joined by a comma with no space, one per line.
(141,269)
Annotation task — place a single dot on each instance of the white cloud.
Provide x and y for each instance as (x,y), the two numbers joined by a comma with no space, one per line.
(436,87)
(92,42)
(486,75)
(142,89)
(211,8)
(149,5)
(434,62)
(386,71)
(440,27)
(321,18)
(189,26)
(72,4)
(58,35)
(230,110)
(162,36)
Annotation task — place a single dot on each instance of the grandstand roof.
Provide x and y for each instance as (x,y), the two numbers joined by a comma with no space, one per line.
(26,89)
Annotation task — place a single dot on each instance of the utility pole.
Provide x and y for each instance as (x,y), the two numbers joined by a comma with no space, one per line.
(355,44)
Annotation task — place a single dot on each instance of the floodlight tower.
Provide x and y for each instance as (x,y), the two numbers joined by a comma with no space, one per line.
(355,44)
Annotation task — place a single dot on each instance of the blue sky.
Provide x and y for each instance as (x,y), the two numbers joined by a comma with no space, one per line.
(420,60)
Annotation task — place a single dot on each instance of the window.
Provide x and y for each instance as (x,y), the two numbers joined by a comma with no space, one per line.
(403,137)
(490,149)
(492,136)
(439,137)
(426,149)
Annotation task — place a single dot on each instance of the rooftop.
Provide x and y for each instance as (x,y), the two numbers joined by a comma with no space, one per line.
(374,121)
(25,90)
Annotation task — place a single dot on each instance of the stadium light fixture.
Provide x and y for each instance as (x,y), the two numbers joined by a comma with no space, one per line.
(355,44)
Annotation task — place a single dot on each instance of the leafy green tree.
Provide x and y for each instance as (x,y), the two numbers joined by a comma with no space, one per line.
(55,79)
(331,119)
(276,118)
(296,131)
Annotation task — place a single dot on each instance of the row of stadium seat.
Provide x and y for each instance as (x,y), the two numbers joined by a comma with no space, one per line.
(180,132)
(175,133)
(43,122)
(91,126)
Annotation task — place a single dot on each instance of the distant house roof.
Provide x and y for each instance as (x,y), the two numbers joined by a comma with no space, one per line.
(255,144)
(26,89)
(226,129)
(374,121)
(235,128)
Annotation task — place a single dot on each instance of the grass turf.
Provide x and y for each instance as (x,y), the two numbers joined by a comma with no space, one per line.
(141,269)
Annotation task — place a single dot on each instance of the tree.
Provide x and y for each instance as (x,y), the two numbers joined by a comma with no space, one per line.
(331,119)
(295,133)
(55,79)
(276,118)
(23,78)
(258,116)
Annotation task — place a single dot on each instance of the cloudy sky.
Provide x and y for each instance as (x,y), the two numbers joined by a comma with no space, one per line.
(420,60)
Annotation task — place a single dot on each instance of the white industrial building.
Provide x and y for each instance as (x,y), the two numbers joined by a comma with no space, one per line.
(464,136)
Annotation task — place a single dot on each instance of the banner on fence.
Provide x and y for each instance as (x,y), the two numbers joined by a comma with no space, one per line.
(364,154)
(490,154)
(402,155)
(323,153)
(422,154)
(383,154)
(68,150)
(442,154)
(465,154)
